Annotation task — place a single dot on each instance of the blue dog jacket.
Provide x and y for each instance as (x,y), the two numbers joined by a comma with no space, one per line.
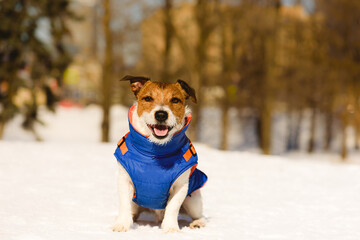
(153,168)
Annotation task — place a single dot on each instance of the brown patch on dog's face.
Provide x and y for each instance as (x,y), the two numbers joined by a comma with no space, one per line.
(153,94)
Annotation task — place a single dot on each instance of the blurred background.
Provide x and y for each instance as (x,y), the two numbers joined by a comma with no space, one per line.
(272,76)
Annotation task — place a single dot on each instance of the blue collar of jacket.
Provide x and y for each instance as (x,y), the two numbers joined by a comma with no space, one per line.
(142,143)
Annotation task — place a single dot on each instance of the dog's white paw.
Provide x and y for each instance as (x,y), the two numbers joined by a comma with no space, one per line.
(122,224)
(170,227)
(198,223)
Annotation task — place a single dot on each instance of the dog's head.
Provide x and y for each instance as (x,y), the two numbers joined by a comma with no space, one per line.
(161,107)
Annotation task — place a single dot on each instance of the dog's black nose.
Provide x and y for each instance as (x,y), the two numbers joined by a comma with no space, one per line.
(161,116)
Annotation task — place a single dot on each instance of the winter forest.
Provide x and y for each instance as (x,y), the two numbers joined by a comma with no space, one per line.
(277,84)
(253,62)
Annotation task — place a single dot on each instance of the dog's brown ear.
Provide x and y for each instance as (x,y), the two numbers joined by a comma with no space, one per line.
(136,82)
(190,92)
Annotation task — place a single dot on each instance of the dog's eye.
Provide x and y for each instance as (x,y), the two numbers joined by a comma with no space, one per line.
(175,100)
(148,99)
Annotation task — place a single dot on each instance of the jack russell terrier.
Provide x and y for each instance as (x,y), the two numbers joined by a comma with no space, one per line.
(157,162)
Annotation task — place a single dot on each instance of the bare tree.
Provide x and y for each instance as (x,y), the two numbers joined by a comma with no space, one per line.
(229,31)
(257,64)
(168,37)
(206,23)
(107,72)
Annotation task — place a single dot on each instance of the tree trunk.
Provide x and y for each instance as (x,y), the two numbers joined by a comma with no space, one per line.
(271,43)
(265,121)
(107,72)
(357,123)
(228,49)
(225,127)
(257,121)
(198,77)
(328,130)
(357,135)
(290,129)
(267,98)
(169,32)
(298,131)
(311,143)
(2,127)
(344,151)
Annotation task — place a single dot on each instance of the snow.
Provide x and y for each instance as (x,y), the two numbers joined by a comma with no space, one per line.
(72,124)
(65,188)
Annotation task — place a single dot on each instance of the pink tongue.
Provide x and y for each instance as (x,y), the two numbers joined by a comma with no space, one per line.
(160,132)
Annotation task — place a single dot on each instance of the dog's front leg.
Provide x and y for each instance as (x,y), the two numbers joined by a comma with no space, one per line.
(178,193)
(126,192)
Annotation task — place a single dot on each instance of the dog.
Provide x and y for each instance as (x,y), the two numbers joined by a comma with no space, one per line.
(157,162)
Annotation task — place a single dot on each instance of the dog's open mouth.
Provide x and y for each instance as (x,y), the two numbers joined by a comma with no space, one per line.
(160,130)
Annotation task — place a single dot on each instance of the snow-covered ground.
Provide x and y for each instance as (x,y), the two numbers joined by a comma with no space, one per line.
(65,188)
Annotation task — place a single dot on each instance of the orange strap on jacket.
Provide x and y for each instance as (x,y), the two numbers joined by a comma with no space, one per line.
(192,169)
(190,152)
(122,145)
